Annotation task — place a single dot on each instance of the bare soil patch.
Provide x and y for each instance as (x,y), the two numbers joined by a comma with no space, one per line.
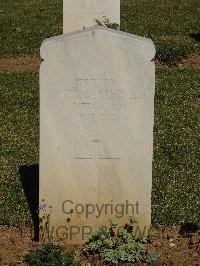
(192,61)
(19,63)
(175,248)
(14,245)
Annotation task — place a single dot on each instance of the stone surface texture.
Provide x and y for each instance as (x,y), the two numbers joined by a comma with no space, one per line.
(96,129)
(79,14)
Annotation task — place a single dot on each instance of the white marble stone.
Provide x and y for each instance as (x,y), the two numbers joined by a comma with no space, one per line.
(79,14)
(96,128)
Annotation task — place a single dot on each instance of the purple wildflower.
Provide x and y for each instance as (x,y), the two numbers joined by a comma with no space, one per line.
(42,206)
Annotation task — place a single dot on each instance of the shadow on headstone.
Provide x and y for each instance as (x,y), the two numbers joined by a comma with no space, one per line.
(195,36)
(29,175)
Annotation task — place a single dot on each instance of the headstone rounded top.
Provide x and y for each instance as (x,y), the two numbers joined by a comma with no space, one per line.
(143,43)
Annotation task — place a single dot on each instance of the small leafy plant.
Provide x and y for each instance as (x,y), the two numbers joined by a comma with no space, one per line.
(106,23)
(51,255)
(171,53)
(119,246)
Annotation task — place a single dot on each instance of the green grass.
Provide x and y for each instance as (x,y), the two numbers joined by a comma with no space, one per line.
(164,21)
(19,112)
(25,23)
(176,189)
(176,177)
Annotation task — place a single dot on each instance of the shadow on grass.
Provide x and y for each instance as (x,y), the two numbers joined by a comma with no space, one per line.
(195,36)
(30,180)
(188,228)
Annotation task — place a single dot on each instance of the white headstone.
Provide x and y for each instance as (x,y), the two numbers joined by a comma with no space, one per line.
(96,130)
(79,14)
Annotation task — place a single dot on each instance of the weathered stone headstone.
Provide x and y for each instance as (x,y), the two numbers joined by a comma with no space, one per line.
(96,130)
(79,14)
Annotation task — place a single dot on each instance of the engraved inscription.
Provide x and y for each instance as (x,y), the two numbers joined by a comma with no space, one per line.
(95,150)
(95,99)
(89,96)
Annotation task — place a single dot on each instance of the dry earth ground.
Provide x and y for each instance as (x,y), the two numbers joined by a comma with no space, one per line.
(176,247)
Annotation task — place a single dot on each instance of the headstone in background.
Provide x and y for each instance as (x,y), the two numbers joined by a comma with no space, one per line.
(79,14)
(96,130)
